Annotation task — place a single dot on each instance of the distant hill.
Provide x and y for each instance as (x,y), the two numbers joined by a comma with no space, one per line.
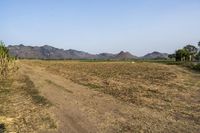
(49,52)
(155,55)
(106,56)
(125,55)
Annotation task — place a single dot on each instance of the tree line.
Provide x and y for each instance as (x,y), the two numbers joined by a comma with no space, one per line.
(187,53)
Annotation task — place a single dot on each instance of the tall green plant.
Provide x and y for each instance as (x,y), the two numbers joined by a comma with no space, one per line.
(7,63)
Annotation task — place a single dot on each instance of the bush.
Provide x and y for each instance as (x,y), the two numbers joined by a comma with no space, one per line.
(7,63)
(197,67)
(198,56)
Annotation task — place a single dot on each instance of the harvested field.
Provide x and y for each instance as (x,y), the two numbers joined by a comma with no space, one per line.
(22,109)
(160,98)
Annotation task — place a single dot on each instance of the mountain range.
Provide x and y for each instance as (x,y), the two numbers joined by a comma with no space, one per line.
(49,52)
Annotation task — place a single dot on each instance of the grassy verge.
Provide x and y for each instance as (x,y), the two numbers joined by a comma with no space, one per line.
(20,107)
(4,93)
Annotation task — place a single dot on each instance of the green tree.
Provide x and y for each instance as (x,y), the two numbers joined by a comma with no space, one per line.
(198,55)
(182,55)
(172,56)
(192,50)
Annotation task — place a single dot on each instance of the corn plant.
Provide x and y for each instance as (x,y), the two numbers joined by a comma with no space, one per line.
(7,63)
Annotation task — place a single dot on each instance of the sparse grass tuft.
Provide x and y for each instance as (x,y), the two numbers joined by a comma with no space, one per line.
(51,122)
(90,85)
(2,128)
(34,93)
(58,86)
(20,109)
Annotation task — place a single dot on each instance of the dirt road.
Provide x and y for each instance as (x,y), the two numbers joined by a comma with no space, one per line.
(78,109)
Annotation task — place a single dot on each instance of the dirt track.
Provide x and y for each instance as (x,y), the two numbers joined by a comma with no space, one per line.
(78,109)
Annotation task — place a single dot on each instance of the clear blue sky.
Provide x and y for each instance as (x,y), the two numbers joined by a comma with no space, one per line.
(138,26)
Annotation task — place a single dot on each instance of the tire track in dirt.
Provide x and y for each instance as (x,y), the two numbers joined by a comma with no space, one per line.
(77,108)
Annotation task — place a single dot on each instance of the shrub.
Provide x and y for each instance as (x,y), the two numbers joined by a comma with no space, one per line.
(197,67)
(7,63)
(198,56)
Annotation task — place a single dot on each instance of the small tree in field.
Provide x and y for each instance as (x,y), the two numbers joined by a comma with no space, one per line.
(182,55)
(192,50)
(6,62)
(198,54)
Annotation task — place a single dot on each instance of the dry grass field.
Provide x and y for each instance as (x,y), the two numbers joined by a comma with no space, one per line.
(117,96)
(169,91)
(22,109)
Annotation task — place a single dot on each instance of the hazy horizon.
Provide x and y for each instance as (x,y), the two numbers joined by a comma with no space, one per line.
(137,26)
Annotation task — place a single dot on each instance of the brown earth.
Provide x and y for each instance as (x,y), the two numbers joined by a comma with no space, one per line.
(80,109)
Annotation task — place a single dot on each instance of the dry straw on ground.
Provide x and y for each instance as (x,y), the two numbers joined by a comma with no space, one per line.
(168,94)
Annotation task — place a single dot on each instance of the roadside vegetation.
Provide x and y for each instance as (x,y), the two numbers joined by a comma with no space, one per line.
(7,63)
(22,109)
(187,53)
(188,56)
